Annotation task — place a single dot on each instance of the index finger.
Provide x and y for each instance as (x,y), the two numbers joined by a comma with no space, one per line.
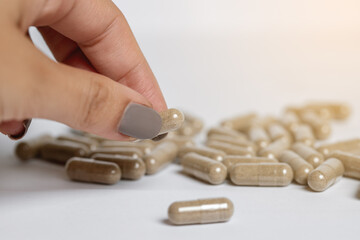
(104,36)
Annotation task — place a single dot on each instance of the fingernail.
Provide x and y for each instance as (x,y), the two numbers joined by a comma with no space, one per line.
(21,134)
(140,122)
(159,137)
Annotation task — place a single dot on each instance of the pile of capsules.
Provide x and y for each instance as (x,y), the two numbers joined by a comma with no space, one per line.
(249,150)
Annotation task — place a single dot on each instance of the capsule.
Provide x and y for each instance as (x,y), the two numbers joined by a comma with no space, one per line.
(258,135)
(201,211)
(172,119)
(230,140)
(162,155)
(261,174)
(239,123)
(215,154)
(89,142)
(196,122)
(308,153)
(351,163)
(89,170)
(300,167)
(277,131)
(338,111)
(26,150)
(274,149)
(325,175)
(126,151)
(61,151)
(181,140)
(346,146)
(144,146)
(230,149)
(187,129)
(204,168)
(223,131)
(304,134)
(321,127)
(230,161)
(131,168)
(290,120)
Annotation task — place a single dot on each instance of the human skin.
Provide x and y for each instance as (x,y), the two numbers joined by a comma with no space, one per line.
(100,68)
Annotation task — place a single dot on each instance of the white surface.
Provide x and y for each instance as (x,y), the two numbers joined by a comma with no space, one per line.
(216,59)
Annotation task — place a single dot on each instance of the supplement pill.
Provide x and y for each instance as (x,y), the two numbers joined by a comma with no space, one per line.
(274,149)
(325,175)
(204,168)
(338,111)
(89,170)
(229,161)
(61,151)
(126,151)
(258,135)
(31,148)
(308,153)
(172,119)
(131,168)
(239,123)
(300,167)
(144,146)
(201,211)
(351,163)
(277,131)
(346,146)
(230,149)
(162,155)
(304,134)
(215,154)
(290,120)
(261,174)
(89,142)
(321,127)
(240,143)
(223,131)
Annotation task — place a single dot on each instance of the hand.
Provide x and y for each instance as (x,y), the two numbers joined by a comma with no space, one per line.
(100,68)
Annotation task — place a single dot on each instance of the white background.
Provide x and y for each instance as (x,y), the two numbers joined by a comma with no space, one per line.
(215,59)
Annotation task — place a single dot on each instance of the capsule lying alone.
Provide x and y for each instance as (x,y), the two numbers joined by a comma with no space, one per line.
(204,168)
(325,175)
(261,174)
(201,211)
(89,170)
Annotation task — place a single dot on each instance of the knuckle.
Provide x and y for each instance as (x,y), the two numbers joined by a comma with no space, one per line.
(94,104)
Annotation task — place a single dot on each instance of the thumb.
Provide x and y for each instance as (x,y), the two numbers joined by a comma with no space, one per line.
(94,103)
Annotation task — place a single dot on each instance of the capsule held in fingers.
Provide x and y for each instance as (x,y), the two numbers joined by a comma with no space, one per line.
(204,168)
(89,170)
(201,211)
(325,175)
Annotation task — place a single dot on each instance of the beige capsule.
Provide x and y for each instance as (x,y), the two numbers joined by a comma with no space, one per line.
(231,160)
(230,149)
(161,156)
(172,119)
(89,142)
(274,149)
(290,121)
(325,175)
(201,211)
(195,121)
(321,127)
(90,170)
(261,174)
(351,163)
(346,146)
(144,146)
(230,140)
(308,153)
(300,167)
(181,140)
(61,151)
(338,111)
(259,136)
(126,151)
(187,129)
(277,131)
(239,123)
(131,168)
(304,134)
(28,149)
(204,168)
(223,131)
(215,154)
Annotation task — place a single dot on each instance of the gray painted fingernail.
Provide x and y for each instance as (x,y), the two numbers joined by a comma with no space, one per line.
(17,136)
(140,122)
